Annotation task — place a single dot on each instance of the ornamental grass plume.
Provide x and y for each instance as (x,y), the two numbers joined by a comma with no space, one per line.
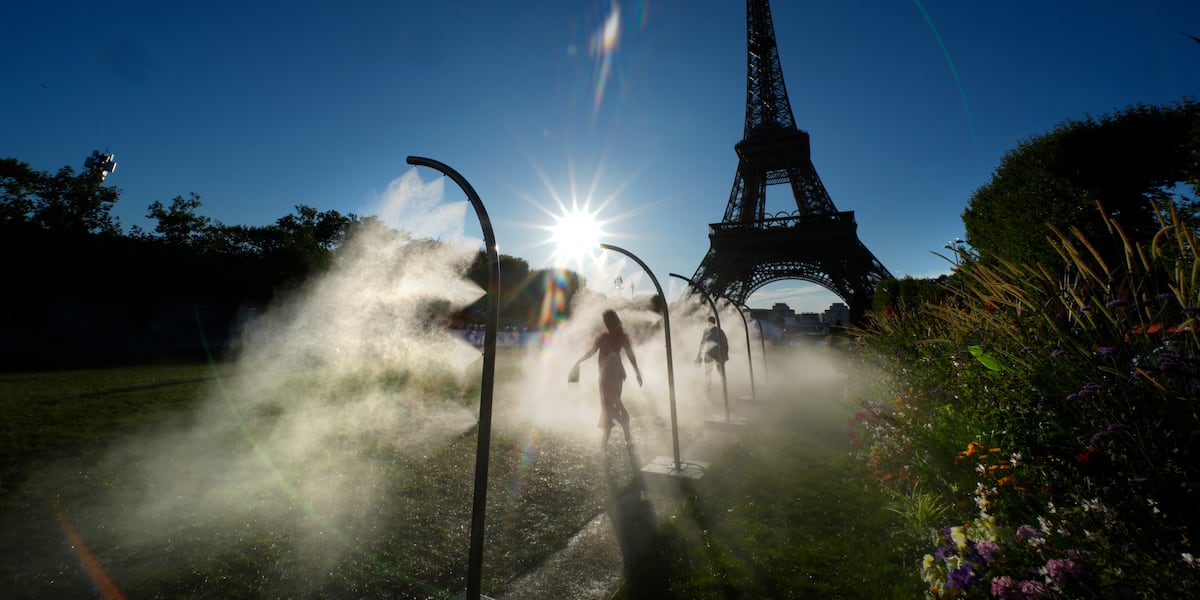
(1101,405)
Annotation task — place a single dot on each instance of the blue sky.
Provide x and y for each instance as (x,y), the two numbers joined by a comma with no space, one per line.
(260,106)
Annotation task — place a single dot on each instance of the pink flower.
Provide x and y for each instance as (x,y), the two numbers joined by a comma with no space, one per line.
(1007,588)
(1060,571)
(988,549)
(1004,587)
(1032,589)
(1026,533)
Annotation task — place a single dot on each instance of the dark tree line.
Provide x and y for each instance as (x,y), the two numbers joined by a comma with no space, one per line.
(1128,164)
(1121,163)
(79,290)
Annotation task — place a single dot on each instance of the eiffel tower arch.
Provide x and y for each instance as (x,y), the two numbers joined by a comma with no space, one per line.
(817,243)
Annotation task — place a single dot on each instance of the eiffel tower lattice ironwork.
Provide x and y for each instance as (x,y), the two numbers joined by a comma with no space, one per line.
(818,243)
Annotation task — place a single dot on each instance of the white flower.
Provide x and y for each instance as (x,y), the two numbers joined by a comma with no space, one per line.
(953,563)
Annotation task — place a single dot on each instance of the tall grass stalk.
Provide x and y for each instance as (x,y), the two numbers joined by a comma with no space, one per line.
(1066,402)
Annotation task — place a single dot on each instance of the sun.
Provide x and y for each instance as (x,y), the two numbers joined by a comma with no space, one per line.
(576,234)
(572,226)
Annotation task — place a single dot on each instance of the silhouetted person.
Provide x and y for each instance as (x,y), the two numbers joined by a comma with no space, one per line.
(713,352)
(612,373)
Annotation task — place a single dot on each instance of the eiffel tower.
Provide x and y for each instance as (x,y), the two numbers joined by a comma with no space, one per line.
(818,243)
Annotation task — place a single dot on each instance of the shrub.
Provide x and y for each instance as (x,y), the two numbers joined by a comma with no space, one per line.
(1054,407)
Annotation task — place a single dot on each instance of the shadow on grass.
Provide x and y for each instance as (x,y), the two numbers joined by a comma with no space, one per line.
(783,513)
(633,520)
(140,388)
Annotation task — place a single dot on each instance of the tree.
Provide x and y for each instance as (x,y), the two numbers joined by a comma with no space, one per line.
(910,293)
(310,229)
(17,185)
(1121,163)
(179,224)
(77,204)
(300,244)
(63,203)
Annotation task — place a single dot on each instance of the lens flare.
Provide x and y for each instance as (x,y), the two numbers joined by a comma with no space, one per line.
(104,584)
(554,301)
(603,46)
(962,93)
(526,460)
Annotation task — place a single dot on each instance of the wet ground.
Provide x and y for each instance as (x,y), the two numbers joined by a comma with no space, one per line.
(594,563)
(807,396)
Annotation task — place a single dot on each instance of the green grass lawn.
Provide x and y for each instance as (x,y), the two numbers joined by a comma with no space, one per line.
(77,441)
(779,518)
(784,513)
(781,515)
(51,415)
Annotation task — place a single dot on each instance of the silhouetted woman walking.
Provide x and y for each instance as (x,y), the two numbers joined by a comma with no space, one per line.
(612,373)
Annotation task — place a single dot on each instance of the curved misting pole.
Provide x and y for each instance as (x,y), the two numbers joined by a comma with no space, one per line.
(717,317)
(667,337)
(749,350)
(483,446)
(761,340)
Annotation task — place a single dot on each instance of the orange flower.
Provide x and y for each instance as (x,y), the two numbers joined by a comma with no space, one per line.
(972,448)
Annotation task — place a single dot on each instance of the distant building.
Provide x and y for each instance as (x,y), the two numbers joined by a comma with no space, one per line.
(837,313)
(809,324)
(780,315)
(788,323)
(791,324)
(783,315)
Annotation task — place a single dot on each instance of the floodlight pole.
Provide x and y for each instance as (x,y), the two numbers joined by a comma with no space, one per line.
(667,337)
(717,318)
(483,445)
